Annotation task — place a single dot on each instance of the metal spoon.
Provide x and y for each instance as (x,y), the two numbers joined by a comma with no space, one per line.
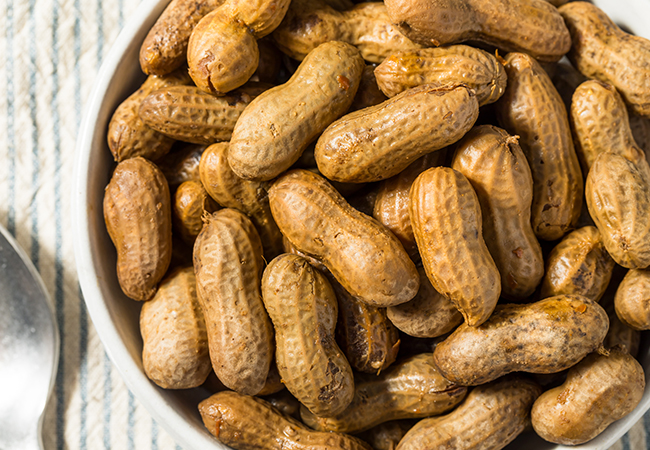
(29,348)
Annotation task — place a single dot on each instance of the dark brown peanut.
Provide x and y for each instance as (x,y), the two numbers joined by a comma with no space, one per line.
(181,164)
(191,201)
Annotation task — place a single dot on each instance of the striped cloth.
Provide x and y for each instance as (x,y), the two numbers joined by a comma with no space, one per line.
(53,50)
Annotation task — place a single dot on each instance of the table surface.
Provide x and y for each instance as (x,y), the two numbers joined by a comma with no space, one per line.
(53,50)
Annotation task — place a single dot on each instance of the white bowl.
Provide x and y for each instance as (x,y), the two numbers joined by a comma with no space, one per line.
(116,317)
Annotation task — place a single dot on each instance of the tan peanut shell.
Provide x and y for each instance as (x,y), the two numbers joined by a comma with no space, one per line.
(618,198)
(165,47)
(181,164)
(603,51)
(249,197)
(288,247)
(191,201)
(598,391)
(175,342)
(530,26)
(446,218)
(387,435)
(128,136)
(619,335)
(496,167)
(392,203)
(532,109)
(543,337)
(369,341)
(228,266)
(429,314)
(640,127)
(579,265)
(303,308)
(364,146)
(309,23)
(361,254)
(273,383)
(277,126)
(632,300)
(137,212)
(243,423)
(411,389)
(601,124)
(490,418)
(368,93)
(186,113)
(475,68)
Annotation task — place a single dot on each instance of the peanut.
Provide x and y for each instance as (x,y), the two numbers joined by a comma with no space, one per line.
(363,146)
(618,198)
(461,64)
(529,26)
(279,124)
(368,93)
(228,265)
(603,51)
(490,418)
(249,197)
(137,212)
(309,23)
(620,335)
(496,167)
(302,306)
(186,113)
(182,164)
(191,201)
(579,265)
(598,391)
(361,254)
(532,109)
(543,337)
(446,218)
(632,300)
(128,135)
(408,390)
(387,435)
(246,423)
(175,351)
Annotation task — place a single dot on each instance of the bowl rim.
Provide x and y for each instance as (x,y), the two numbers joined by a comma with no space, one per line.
(147,393)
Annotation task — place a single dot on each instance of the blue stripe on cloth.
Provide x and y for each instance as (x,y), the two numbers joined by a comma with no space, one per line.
(120,14)
(154,434)
(107,402)
(33,210)
(11,131)
(130,425)
(59,293)
(625,441)
(100,32)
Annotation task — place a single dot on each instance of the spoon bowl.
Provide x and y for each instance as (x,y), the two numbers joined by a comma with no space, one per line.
(29,348)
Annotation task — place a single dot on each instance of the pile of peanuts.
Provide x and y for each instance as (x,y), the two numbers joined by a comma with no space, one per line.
(402,224)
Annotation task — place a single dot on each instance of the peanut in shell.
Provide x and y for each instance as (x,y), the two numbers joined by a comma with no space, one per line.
(191,201)
(632,299)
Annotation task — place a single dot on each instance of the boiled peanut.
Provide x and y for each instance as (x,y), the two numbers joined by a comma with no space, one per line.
(490,418)
(290,248)
(137,212)
(461,64)
(543,337)
(228,265)
(368,93)
(303,308)
(363,146)
(601,124)
(309,23)
(579,265)
(284,402)
(387,435)
(391,207)
(165,47)
(249,197)
(598,391)
(361,254)
(618,198)
(620,335)
(175,351)
(529,26)
(603,51)
(496,167)
(368,339)
(191,201)
(532,109)
(277,126)
(181,164)
(246,423)
(640,127)
(186,113)
(128,135)
(408,390)
(273,383)
(632,300)
(446,218)
(428,314)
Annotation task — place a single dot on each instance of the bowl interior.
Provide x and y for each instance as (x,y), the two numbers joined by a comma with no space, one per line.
(116,317)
